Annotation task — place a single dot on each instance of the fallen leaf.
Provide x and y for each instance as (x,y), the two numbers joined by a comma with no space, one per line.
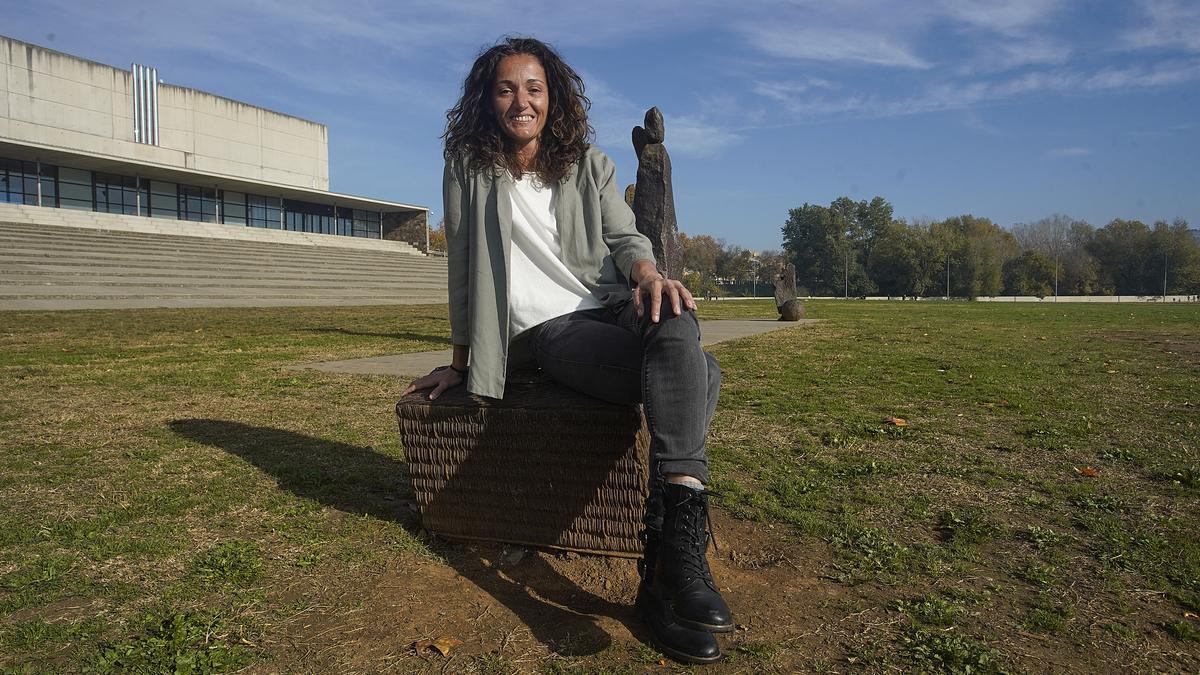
(443,645)
(896,421)
(1089,471)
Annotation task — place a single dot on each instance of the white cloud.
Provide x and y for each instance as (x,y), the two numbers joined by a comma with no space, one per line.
(1168,24)
(786,91)
(830,43)
(1006,17)
(1015,52)
(962,95)
(889,33)
(694,137)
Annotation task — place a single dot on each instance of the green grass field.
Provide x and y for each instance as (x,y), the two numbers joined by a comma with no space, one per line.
(173,498)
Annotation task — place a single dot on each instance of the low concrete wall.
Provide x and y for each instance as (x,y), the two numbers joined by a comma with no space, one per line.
(1004,298)
(1092,298)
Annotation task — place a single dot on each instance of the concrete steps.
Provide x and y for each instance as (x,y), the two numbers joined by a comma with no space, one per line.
(62,255)
(48,261)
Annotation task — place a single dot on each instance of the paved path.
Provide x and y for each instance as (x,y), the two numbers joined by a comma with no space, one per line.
(420,363)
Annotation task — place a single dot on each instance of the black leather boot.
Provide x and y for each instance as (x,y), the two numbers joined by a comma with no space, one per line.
(682,576)
(679,642)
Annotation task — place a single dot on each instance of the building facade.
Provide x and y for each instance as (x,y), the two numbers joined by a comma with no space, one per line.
(75,134)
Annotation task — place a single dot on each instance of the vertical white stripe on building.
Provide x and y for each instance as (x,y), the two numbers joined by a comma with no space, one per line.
(133,89)
(154,106)
(145,104)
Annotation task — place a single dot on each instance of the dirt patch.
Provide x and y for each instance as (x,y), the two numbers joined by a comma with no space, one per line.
(61,611)
(524,606)
(1186,347)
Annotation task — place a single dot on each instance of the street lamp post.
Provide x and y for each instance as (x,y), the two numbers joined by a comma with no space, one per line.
(846,290)
(753,275)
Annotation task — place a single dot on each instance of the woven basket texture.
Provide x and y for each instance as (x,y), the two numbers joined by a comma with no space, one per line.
(546,466)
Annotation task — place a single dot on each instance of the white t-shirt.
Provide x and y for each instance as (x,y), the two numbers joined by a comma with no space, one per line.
(540,285)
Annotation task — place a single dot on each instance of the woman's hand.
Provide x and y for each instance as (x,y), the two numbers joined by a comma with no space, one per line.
(652,284)
(440,379)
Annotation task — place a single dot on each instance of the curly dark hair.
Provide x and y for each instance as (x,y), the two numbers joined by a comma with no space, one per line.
(472,130)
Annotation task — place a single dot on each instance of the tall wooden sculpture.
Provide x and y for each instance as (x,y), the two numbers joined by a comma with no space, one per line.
(652,199)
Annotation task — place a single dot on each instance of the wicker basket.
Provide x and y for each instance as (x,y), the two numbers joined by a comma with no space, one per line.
(545,466)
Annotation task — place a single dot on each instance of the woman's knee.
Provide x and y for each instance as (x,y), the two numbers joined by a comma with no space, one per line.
(671,326)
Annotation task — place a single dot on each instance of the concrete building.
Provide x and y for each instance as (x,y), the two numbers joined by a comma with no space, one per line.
(75,134)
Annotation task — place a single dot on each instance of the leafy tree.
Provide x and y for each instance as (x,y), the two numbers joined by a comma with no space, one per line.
(1030,273)
(437,237)
(1122,250)
(977,249)
(700,254)
(1051,237)
(1173,259)
(701,286)
(1080,271)
(814,237)
(770,262)
(903,260)
(734,263)
(829,245)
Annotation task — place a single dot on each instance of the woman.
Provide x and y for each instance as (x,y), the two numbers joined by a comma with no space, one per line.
(546,267)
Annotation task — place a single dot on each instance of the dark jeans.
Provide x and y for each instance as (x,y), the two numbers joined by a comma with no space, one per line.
(614,355)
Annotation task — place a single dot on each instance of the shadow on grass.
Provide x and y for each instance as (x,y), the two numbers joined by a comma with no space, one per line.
(358,480)
(418,337)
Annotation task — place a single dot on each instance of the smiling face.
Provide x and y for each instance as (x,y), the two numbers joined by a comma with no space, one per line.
(521,101)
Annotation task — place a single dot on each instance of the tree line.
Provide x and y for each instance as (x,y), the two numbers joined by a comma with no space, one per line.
(859,248)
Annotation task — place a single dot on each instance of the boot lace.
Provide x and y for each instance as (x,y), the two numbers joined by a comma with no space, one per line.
(696,535)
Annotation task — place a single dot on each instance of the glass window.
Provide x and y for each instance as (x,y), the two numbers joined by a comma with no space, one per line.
(263,211)
(366,224)
(75,189)
(18,182)
(118,194)
(164,199)
(233,207)
(198,203)
(308,217)
(49,185)
(345,222)
(6,192)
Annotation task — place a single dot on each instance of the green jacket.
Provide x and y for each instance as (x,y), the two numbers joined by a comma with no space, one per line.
(599,246)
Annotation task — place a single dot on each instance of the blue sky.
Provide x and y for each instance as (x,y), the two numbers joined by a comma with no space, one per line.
(1009,110)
